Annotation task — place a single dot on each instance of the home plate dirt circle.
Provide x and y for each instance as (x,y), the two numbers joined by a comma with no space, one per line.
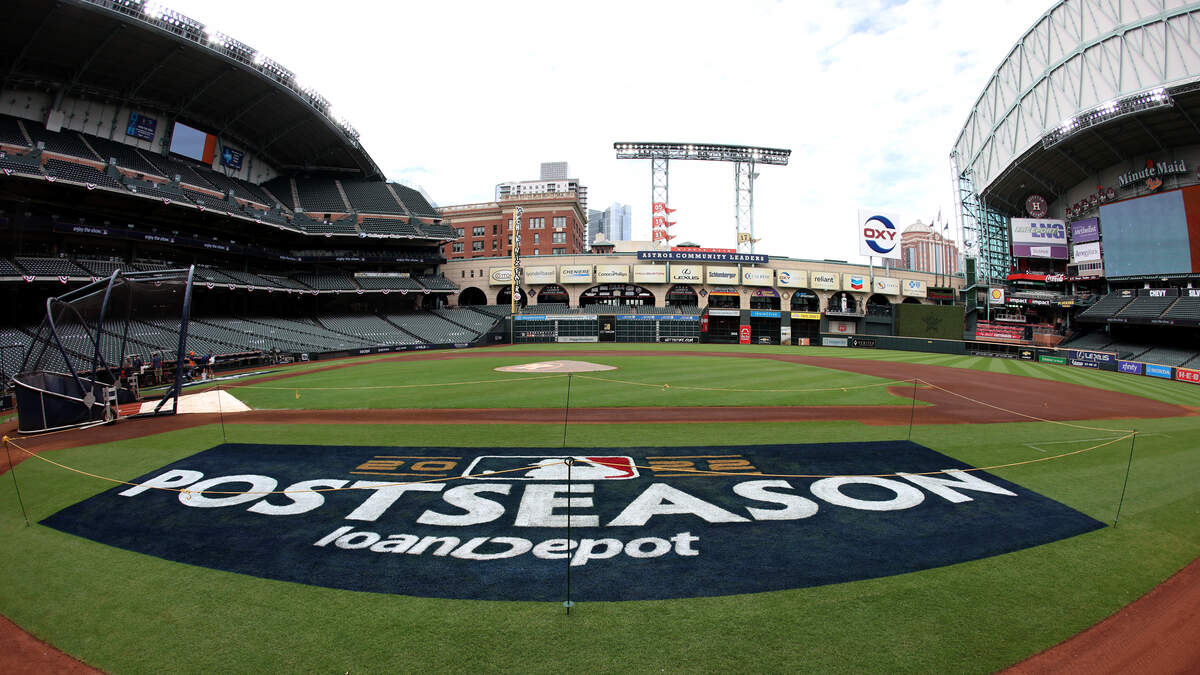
(555,367)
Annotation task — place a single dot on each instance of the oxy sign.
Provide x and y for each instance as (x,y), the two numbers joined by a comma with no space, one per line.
(877,234)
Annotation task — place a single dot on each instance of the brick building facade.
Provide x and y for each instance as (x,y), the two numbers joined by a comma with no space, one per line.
(552,224)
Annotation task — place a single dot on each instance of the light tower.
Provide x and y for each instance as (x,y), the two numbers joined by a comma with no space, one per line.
(744,158)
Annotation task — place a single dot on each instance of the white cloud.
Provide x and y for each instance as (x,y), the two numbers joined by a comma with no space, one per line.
(458,96)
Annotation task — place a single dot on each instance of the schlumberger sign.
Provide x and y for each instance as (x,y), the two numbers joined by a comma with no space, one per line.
(651,522)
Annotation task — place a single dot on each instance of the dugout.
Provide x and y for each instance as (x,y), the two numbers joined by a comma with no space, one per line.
(657,328)
(534,328)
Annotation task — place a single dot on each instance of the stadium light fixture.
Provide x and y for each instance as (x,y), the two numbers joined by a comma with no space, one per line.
(1106,112)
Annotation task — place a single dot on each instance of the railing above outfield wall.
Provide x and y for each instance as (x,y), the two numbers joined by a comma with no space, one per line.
(1079,358)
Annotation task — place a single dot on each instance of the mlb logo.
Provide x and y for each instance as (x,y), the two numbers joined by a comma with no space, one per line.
(550,468)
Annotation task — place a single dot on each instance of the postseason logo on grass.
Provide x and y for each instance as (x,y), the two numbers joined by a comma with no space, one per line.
(645,523)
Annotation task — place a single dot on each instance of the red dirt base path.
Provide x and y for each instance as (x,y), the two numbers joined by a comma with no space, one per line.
(1155,634)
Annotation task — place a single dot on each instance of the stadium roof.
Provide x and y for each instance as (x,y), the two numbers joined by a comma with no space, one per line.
(138,53)
(1089,86)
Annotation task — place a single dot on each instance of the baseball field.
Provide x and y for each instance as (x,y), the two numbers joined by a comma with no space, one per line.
(731,508)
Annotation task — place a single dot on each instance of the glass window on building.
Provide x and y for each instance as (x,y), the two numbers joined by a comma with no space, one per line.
(459,232)
(560,221)
(560,237)
(458,247)
(560,251)
(537,238)
(477,231)
(477,246)
(537,223)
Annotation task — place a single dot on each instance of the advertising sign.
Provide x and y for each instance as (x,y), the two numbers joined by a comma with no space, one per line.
(724,312)
(141,127)
(721,275)
(758,276)
(1165,372)
(1131,367)
(686,274)
(575,274)
(232,158)
(855,282)
(1060,360)
(744,335)
(649,274)
(886,286)
(612,274)
(877,234)
(540,275)
(996,296)
(703,256)
(1084,358)
(1187,375)
(912,288)
(1039,238)
(500,276)
(807,316)
(1089,252)
(841,326)
(791,278)
(834,342)
(764,314)
(825,281)
(1083,231)
(995,331)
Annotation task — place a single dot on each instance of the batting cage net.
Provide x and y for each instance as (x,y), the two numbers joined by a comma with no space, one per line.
(98,344)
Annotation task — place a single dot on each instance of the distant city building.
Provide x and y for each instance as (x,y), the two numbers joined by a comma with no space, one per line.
(554,171)
(924,249)
(553,179)
(551,224)
(613,223)
(593,226)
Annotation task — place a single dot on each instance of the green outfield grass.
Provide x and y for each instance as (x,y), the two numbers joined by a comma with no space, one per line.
(639,381)
(126,612)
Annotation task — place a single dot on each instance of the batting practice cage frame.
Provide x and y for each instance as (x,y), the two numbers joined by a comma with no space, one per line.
(80,367)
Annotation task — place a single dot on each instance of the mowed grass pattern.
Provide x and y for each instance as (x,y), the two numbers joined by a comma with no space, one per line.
(128,613)
(639,381)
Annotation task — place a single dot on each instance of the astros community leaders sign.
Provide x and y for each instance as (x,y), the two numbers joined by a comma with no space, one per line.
(648,522)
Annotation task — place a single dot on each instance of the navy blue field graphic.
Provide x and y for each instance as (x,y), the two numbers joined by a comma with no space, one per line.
(646,523)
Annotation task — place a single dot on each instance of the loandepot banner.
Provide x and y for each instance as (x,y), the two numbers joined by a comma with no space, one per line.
(646,522)
(791,278)
(877,234)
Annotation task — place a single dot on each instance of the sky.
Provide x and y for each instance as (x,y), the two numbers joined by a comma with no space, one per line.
(456,97)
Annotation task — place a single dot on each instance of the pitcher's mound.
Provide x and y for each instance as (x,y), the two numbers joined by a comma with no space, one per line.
(555,367)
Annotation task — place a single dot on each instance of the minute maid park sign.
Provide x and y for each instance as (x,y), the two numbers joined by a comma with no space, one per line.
(647,522)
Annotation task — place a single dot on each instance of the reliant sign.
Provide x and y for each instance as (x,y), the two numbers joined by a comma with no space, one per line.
(758,276)
(649,274)
(646,522)
(877,234)
(686,274)
(575,274)
(612,274)
(721,275)
(825,281)
(791,278)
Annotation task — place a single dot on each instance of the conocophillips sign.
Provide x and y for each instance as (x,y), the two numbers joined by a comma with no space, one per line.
(649,522)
